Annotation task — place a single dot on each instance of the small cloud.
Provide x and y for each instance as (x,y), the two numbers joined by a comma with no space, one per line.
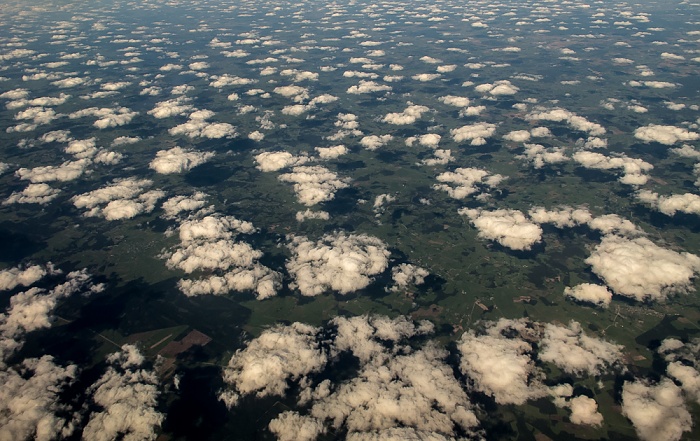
(509,228)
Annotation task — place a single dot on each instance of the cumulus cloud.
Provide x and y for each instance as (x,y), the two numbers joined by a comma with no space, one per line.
(561,217)
(122,199)
(314,184)
(509,228)
(208,245)
(406,274)
(82,148)
(331,152)
(688,203)
(68,171)
(571,350)
(590,293)
(33,194)
(397,391)
(498,88)
(181,204)
(428,140)
(337,262)
(475,133)
(584,410)
(409,116)
(373,142)
(172,107)
(642,270)
(683,364)
(667,135)
(106,117)
(178,160)
(368,87)
(30,405)
(279,355)
(198,127)
(127,396)
(574,121)
(456,101)
(273,161)
(633,169)
(32,309)
(412,394)
(657,411)
(25,276)
(500,366)
(301,216)
(464,182)
(539,155)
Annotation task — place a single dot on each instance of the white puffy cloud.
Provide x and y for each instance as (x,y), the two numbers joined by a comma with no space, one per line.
(122,199)
(584,411)
(509,228)
(475,133)
(517,136)
(32,309)
(406,274)
(614,224)
(498,88)
(331,152)
(574,121)
(198,126)
(633,169)
(368,87)
(373,142)
(106,117)
(127,396)
(667,135)
(500,366)
(69,82)
(56,136)
(412,394)
(30,405)
(571,350)
(337,262)
(686,151)
(670,205)
(683,364)
(591,293)
(428,140)
(269,362)
(25,276)
(273,161)
(297,93)
(456,101)
(408,116)
(561,217)
(179,204)
(441,157)
(290,426)
(172,107)
(657,411)
(652,84)
(301,216)
(68,171)
(82,148)
(425,77)
(207,246)
(467,181)
(642,270)
(314,184)
(178,160)
(539,155)
(229,80)
(33,194)
(397,391)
